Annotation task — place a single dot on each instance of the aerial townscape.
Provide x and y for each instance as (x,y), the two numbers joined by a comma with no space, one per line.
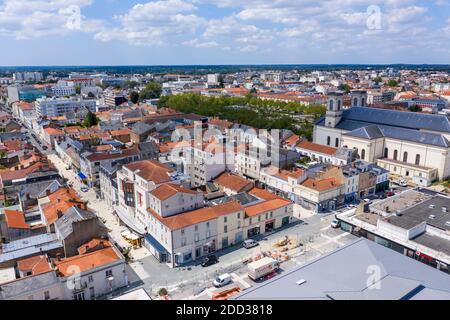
(224,182)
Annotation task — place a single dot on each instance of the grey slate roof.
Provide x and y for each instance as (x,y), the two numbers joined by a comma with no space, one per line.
(141,128)
(29,246)
(343,274)
(410,120)
(358,117)
(38,189)
(379,131)
(73,214)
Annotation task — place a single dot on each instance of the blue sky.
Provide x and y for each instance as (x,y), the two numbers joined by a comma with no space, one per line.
(165,32)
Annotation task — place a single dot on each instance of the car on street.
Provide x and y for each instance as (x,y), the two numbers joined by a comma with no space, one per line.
(250,243)
(209,261)
(222,280)
(84,189)
(403,183)
(389,193)
(335,224)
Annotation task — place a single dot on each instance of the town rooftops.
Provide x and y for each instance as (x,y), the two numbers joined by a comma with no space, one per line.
(15,219)
(321,184)
(189,218)
(87,261)
(266,206)
(342,275)
(305,144)
(58,203)
(151,170)
(34,265)
(233,182)
(112,154)
(64,224)
(167,190)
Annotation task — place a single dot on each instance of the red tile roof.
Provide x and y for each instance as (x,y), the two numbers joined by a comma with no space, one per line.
(232,182)
(35,265)
(151,170)
(305,144)
(88,261)
(266,206)
(183,220)
(322,184)
(167,190)
(15,219)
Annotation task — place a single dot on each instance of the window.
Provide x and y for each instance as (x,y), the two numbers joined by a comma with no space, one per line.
(328,140)
(140,199)
(339,105)
(239,215)
(196,228)
(363,102)
(355,102)
(207,224)
(386,152)
(47,295)
(225,219)
(331,104)
(417,159)
(182,231)
(363,154)
(90,278)
(395,154)
(336,142)
(225,229)
(405,156)
(108,273)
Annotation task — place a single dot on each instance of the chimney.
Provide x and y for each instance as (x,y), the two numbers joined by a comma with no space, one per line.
(59,213)
(47,192)
(28,196)
(58,256)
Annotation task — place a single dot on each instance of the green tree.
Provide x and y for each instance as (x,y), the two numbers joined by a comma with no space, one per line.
(91,95)
(90,120)
(345,87)
(152,90)
(392,83)
(377,80)
(78,89)
(134,97)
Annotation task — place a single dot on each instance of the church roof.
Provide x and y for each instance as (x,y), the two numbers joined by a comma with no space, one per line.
(358,117)
(377,131)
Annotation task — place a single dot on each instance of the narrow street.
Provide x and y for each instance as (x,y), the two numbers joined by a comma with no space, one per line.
(102,210)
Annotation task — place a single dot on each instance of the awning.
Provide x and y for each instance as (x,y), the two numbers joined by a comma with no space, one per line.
(155,244)
(81,175)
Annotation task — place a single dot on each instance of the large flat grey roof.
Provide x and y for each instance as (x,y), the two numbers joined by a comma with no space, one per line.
(430,211)
(350,273)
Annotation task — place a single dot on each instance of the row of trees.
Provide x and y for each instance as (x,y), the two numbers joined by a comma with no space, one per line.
(249,110)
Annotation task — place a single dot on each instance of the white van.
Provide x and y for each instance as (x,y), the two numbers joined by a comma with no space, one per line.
(222,280)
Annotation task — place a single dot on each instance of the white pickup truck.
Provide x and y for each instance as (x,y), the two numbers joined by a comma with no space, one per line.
(262,267)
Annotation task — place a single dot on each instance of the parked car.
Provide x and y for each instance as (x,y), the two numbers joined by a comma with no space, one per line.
(403,183)
(250,243)
(389,193)
(210,260)
(222,280)
(335,224)
(84,189)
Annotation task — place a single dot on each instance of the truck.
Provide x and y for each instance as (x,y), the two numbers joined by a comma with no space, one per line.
(262,267)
